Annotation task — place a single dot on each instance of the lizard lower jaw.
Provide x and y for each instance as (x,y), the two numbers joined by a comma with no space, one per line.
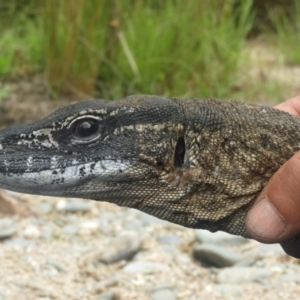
(78,180)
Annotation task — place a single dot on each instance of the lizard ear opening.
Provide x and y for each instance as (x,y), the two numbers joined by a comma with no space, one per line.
(179,152)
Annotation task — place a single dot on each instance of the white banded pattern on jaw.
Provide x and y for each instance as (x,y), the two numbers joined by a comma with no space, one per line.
(50,180)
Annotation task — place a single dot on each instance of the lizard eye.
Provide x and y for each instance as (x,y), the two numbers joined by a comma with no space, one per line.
(85,128)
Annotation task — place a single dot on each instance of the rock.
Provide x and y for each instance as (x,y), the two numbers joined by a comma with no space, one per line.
(165,294)
(89,227)
(103,285)
(271,249)
(107,296)
(291,277)
(58,266)
(73,206)
(246,262)
(146,267)
(43,208)
(242,274)
(229,290)
(166,286)
(11,206)
(124,248)
(169,239)
(7,228)
(32,232)
(216,256)
(148,219)
(71,229)
(19,242)
(219,238)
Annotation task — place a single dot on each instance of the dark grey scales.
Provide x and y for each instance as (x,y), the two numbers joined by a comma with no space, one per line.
(198,163)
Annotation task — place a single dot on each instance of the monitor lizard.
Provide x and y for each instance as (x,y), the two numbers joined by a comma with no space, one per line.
(199,163)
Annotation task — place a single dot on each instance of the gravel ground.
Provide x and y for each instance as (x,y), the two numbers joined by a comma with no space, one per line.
(80,249)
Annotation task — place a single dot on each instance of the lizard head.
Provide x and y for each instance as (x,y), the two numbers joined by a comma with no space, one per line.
(127,152)
(190,162)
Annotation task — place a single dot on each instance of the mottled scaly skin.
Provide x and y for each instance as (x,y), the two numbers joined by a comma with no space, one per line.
(197,163)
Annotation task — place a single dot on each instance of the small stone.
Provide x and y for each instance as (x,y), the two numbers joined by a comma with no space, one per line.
(103,285)
(73,206)
(32,232)
(169,239)
(43,208)
(148,219)
(291,277)
(165,294)
(58,266)
(11,206)
(7,228)
(89,227)
(216,256)
(146,267)
(229,289)
(242,274)
(19,242)
(107,296)
(219,238)
(166,286)
(124,248)
(70,229)
(271,249)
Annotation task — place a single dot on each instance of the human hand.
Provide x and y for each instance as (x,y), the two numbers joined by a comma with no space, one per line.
(275,215)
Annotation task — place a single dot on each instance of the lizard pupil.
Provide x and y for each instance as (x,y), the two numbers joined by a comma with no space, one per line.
(85,128)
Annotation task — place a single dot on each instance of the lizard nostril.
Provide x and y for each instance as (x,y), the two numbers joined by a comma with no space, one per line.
(179,152)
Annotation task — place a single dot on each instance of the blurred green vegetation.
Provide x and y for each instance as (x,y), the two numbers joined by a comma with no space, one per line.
(113,48)
(287,32)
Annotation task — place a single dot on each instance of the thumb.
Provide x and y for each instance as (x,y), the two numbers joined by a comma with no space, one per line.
(275,216)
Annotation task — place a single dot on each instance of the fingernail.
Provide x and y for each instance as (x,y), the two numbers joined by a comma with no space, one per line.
(265,221)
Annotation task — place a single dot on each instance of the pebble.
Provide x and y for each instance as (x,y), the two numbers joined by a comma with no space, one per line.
(43,208)
(103,285)
(219,238)
(32,232)
(89,227)
(146,267)
(58,266)
(7,228)
(292,277)
(73,206)
(7,204)
(148,219)
(19,242)
(238,275)
(107,296)
(227,290)
(163,294)
(271,249)
(216,256)
(166,286)
(71,229)
(169,239)
(125,248)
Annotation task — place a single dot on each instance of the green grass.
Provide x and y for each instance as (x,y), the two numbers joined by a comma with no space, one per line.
(287,33)
(115,48)
(71,27)
(188,49)
(20,49)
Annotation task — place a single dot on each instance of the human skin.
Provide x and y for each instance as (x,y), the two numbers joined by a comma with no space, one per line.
(275,216)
